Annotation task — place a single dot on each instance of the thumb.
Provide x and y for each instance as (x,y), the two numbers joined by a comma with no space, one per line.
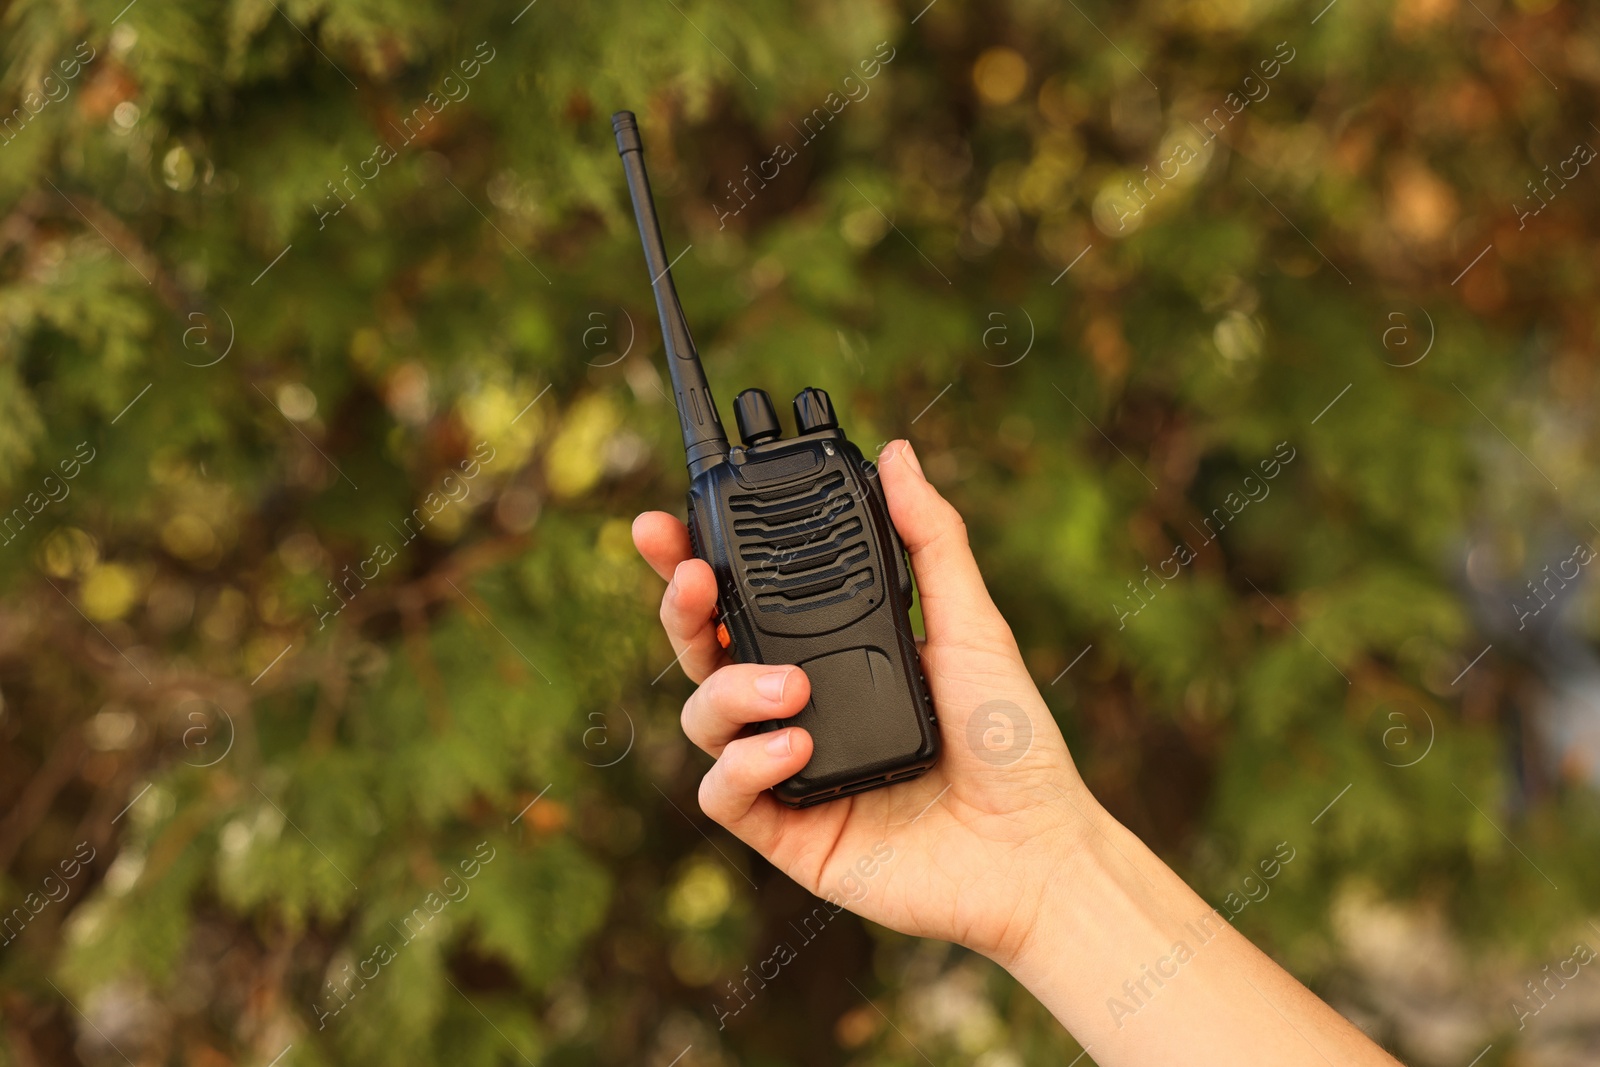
(956,606)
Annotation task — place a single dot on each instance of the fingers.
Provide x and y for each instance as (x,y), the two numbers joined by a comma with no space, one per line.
(691,593)
(686,609)
(955,602)
(662,540)
(738,695)
(732,791)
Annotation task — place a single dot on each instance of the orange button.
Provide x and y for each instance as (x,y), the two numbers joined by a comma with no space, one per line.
(723,638)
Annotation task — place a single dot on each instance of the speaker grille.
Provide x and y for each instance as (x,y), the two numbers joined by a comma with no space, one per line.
(806,545)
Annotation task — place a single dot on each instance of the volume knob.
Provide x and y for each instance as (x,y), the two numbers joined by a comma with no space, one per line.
(814,411)
(755,416)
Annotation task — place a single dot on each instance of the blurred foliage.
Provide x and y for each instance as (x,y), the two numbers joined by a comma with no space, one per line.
(339,590)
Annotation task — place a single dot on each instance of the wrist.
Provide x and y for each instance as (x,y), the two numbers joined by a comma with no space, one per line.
(1066,869)
(1103,912)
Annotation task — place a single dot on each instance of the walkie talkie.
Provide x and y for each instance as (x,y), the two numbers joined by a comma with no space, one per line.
(809,568)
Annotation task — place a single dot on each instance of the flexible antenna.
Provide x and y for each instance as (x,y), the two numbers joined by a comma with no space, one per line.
(704,441)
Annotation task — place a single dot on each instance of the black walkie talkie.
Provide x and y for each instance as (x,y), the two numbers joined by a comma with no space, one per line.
(809,568)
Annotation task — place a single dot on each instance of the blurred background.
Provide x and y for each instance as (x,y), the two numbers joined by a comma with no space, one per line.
(1254,339)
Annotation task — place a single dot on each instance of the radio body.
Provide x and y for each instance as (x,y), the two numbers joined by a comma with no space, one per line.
(808,565)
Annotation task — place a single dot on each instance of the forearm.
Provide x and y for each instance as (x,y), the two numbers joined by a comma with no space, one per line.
(1143,972)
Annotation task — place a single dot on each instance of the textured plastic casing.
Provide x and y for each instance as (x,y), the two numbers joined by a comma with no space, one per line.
(811,572)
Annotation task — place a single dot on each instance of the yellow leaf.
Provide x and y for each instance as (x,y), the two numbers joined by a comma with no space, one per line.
(108,592)
(577,456)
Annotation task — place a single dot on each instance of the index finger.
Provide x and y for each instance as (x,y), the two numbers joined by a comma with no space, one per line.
(662,540)
(687,606)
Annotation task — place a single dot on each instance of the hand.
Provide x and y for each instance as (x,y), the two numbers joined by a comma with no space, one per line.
(973,842)
(1013,859)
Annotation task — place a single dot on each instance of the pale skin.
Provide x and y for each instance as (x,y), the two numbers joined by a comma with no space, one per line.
(1017,860)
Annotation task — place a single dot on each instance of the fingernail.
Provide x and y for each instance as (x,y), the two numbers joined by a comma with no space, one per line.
(771,685)
(780,744)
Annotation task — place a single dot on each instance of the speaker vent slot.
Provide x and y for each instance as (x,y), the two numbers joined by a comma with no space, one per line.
(805,547)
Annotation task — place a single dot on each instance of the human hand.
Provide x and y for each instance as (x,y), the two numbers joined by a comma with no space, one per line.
(971,844)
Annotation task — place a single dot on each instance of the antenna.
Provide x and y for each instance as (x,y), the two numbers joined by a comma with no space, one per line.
(704,441)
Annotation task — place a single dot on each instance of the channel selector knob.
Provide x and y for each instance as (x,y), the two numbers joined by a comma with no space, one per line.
(814,411)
